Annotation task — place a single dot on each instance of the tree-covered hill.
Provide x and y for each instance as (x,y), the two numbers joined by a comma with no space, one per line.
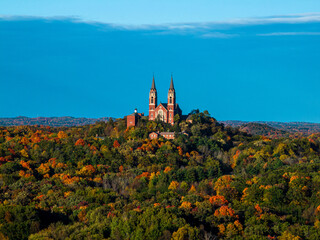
(295,128)
(262,129)
(272,129)
(106,181)
(50,121)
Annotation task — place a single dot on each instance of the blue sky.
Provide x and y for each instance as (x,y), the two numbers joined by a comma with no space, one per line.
(258,60)
(157,11)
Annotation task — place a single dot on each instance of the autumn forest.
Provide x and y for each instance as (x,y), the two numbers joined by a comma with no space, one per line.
(107,181)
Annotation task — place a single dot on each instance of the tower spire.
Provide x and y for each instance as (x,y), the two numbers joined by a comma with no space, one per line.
(171,84)
(153,86)
(152,100)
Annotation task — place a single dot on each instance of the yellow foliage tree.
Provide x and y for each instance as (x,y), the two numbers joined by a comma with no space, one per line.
(186,205)
(24,153)
(43,169)
(223,187)
(87,170)
(173,185)
(186,232)
(289,236)
(62,135)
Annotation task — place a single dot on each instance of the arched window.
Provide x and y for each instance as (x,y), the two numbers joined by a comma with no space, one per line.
(170,99)
(151,99)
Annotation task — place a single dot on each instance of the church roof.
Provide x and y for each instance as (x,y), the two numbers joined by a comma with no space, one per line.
(164,105)
(153,86)
(167,133)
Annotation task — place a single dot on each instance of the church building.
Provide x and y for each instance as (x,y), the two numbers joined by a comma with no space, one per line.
(164,111)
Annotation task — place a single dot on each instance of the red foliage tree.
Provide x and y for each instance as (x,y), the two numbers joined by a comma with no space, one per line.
(116,144)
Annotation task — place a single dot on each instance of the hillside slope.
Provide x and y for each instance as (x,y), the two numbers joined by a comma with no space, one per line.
(304,128)
(262,129)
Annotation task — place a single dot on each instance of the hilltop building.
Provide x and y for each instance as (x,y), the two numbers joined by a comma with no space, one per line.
(133,118)
(164,111)
(167,135)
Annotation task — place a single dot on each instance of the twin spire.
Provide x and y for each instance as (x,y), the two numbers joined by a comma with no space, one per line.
(153,86)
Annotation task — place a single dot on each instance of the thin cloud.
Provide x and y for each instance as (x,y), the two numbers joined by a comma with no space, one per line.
(205,30)
(294,18)
(291,19)
(26,18)
(218,35)
(290,34)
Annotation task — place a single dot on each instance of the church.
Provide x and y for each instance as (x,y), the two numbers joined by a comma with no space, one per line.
(164,111)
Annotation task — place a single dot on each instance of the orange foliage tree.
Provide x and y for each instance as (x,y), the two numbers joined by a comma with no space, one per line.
(62,135)
(80,142)
(223,212)
(218,201)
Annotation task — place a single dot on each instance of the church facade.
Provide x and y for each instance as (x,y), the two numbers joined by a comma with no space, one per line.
(164,111)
